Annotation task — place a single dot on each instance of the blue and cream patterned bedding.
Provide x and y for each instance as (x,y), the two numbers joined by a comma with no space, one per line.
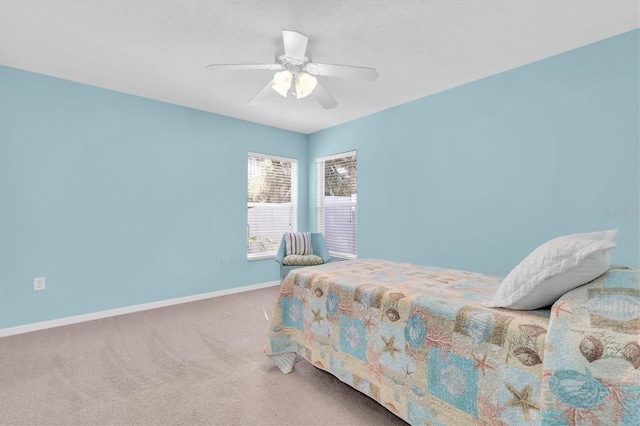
(418,340)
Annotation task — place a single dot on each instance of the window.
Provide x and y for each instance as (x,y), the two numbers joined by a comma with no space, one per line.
(337,203)
(271,203)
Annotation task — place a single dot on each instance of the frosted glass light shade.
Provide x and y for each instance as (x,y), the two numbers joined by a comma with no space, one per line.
(305,83)
(282,82)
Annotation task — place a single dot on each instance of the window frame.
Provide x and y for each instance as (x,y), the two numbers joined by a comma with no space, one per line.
(293,226)
(320,200)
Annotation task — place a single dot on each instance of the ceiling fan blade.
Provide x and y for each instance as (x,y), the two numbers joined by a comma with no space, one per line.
(234,67)
(323,97)
(263,94)
(295,44)
(342,71)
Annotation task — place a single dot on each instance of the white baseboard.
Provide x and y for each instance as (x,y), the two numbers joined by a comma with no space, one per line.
(128,309)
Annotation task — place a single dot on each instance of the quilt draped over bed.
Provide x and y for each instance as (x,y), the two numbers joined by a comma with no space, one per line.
(418,340)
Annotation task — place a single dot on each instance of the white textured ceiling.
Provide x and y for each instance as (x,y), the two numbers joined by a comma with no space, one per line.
(158,49)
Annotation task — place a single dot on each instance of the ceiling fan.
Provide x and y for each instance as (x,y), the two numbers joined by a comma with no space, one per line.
(296,73)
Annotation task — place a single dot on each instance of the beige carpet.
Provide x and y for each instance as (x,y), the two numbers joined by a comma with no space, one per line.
(195,363)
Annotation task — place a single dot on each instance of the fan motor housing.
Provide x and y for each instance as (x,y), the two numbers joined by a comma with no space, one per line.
(283,60)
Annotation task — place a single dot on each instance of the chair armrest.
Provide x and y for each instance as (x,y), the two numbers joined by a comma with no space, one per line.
(281,251)
(320,248)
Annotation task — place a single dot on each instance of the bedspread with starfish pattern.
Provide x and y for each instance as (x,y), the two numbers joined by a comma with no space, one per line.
(419,341)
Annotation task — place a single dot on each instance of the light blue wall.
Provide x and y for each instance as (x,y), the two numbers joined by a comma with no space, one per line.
(476,177)
(119,200)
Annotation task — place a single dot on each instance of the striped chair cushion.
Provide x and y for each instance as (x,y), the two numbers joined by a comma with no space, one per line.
(307,260)
(298,243)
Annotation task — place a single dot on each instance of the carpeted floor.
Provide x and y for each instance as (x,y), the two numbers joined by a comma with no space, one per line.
(195,363)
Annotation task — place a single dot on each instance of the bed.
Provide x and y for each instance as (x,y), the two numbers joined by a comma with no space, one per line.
(419,341)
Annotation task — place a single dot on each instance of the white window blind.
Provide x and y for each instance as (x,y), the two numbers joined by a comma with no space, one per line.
(271,203)
(337,203)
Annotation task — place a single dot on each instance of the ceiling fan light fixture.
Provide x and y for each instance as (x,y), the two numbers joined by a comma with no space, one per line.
(296,73)
(305,84)
(282,82)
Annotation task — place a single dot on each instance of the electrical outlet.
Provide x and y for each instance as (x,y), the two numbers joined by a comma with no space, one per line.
(225,262)
(38,284)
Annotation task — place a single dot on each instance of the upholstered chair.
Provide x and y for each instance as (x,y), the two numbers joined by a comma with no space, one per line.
(288,263)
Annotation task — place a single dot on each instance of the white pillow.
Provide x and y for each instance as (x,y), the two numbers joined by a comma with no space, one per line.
(554,268)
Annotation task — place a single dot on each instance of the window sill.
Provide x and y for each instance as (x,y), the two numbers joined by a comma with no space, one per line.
(342,256)
(253,257)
